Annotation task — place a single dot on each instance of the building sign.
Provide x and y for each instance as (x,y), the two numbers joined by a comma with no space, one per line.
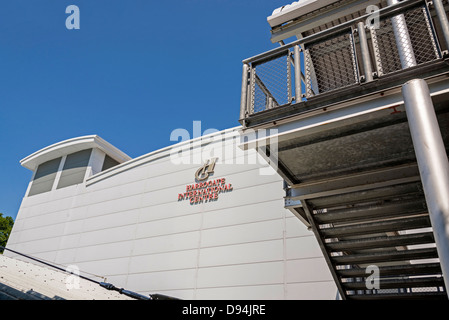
(205,189)
(207,169)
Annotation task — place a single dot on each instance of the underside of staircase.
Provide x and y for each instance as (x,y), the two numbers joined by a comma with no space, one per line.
(358,187)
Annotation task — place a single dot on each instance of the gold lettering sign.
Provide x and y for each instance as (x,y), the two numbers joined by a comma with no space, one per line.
(206,170)
(205,191)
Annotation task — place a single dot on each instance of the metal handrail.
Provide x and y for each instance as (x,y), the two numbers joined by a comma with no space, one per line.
(384,12)
(295,56)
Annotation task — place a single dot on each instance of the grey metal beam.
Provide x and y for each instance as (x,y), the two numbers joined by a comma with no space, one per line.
(389,256)
(356,182)
(399,283)
(400,270)
(271,100)
(382,242)
(373,211)
(432,161)
(402,296)
(377,227)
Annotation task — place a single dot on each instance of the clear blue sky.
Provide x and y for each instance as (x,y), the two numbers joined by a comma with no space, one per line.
(134,71)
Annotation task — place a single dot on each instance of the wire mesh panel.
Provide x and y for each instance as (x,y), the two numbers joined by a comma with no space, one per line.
(385,50)
(391,37)
(330,64)
(421,35)
(271,83)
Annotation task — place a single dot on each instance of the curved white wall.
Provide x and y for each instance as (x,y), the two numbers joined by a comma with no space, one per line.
(127,225)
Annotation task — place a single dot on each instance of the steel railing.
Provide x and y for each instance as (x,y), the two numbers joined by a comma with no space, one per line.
(351,53)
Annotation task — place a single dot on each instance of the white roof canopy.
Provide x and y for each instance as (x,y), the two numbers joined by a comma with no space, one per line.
(298,8)
(70,146)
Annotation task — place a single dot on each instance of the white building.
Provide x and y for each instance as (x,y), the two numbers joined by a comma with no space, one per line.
(198,220)
(354,115)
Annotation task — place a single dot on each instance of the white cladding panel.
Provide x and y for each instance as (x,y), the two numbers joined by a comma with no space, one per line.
(126,224)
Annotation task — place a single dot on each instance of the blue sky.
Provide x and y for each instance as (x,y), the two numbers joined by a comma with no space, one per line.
(134,71)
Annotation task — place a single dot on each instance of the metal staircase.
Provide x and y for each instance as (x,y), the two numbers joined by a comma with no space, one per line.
(338,112)
(366,205)
(386,227)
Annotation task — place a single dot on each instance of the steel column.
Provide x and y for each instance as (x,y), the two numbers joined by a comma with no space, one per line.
(243,97)
(442,17)
(403,42)
(366,59)
(432,162)
(297,74)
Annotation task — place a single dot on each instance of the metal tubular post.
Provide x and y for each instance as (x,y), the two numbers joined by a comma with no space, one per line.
(243,97)
(432,162)
(442,17)
(403,42)
(269,102)
(366,58)
(297,74)
(289,78)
